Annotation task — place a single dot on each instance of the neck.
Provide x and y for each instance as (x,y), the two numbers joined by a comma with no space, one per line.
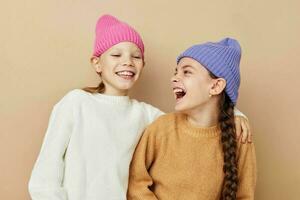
(204,116)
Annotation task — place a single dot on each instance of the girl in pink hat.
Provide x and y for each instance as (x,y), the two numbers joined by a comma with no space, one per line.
(92,132)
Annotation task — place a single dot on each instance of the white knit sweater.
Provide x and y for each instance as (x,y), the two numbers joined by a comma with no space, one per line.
(88,147)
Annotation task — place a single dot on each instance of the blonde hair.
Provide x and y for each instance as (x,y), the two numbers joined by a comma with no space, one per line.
(98,89)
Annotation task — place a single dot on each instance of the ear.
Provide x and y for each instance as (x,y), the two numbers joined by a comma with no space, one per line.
(95,62)
(218,86)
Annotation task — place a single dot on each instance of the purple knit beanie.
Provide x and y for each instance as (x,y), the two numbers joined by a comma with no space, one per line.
(222,59)
(111,31)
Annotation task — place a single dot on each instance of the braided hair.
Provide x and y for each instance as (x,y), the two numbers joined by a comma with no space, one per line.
(229,146)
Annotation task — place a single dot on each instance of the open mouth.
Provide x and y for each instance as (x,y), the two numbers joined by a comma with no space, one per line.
(179,92)
(125,74)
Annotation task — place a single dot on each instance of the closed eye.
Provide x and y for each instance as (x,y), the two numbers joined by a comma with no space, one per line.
(187,72)
(116,55)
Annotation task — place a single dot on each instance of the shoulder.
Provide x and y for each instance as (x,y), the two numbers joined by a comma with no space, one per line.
(245,150)
(163,124)
(151,111)
(71,98)
(159,130)
(75,93)
(165,119)
(148,107)
(244,146)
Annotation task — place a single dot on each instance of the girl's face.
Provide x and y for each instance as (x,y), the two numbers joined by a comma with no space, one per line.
(193,87)
(120,67)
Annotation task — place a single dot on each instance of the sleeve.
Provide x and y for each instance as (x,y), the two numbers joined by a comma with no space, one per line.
(46,178)
(140,180)
(153,113)
(239,113)
(246,172)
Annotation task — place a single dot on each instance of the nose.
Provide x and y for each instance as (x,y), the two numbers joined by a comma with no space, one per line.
(174,79)
(127,61)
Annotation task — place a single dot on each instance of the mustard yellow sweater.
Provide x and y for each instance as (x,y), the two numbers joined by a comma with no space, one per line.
(177,161)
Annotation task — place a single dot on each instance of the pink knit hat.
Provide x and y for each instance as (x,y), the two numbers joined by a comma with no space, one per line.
(110,31)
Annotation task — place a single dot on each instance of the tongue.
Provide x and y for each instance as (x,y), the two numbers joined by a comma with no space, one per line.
(180,94)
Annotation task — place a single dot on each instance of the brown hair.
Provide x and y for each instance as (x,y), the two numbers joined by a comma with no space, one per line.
(229,145)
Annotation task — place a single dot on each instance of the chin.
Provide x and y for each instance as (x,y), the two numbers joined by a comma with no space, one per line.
(186,107)
(125,86)
(181,108)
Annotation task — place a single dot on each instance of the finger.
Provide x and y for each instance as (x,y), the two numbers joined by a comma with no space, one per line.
(238,130)
(249,130)
(244,131)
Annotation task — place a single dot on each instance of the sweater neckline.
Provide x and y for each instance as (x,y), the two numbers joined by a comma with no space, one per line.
(197,131)
(112,99)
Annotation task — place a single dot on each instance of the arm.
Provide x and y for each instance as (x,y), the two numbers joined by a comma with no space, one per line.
(139,178)
(153,112)
(47,175)
(246,172)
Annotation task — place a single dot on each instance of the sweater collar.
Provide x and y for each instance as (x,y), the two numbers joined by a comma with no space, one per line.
(112,99)
(197,131)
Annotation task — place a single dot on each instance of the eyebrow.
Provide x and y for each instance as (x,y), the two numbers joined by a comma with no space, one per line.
(184,67)
(188,66)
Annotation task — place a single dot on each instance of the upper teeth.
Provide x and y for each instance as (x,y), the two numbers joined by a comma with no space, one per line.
(125,73)
(178,90)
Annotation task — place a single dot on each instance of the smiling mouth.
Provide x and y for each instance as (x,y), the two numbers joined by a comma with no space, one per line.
(179,92)
(125,74)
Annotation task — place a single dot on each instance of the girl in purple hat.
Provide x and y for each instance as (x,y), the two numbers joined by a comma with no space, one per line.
(193,154)
(93,132)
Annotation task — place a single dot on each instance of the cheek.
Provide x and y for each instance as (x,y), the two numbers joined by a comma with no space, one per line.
(198,89)
(108,65)
(109,61)
(139,65)
(107,72)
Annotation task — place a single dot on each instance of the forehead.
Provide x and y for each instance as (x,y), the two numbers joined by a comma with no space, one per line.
(189,62)
(127,46)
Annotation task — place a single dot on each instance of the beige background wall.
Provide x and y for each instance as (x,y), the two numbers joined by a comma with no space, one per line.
(45,48)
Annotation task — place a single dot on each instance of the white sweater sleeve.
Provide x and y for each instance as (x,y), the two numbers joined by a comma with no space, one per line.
(46,179)
(239,113)
(153,113)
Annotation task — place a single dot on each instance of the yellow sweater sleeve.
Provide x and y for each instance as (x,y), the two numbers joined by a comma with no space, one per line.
(139,178)
(247,171)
